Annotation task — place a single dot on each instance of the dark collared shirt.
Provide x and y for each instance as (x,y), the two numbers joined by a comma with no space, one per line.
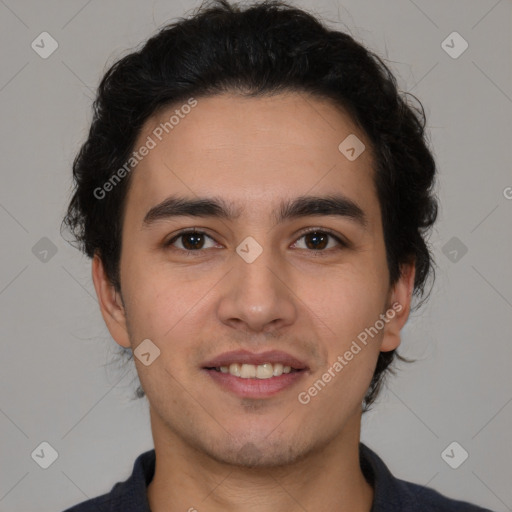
(391,494)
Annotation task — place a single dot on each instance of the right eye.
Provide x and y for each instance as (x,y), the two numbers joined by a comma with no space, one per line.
(191,240)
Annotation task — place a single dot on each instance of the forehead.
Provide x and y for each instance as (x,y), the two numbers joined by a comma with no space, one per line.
(250,151)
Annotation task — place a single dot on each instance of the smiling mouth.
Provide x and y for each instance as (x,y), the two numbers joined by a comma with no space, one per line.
(252,371)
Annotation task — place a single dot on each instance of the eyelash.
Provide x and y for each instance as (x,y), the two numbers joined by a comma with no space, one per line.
(319,252)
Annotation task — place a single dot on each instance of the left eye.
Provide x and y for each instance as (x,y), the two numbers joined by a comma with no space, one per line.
(314,240)
(318,240)
(193,240)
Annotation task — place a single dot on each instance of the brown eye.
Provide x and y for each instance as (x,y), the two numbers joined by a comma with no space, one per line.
(189,241)
(318,240)
(192,241)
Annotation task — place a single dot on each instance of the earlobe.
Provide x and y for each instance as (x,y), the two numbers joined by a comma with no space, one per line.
(399,307)
(110,302)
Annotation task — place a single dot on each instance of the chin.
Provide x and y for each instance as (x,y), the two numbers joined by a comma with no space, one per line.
(258,451)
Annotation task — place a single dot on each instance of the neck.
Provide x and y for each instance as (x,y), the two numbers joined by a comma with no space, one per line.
(328,478)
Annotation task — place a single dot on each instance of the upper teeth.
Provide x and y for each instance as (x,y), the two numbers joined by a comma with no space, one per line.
(251,371)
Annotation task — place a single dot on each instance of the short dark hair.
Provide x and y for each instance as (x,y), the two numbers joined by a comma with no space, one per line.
(262,49)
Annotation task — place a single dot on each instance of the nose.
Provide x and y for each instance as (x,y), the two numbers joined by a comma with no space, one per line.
(258,296)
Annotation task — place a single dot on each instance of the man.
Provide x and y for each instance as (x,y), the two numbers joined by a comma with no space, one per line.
(255,196)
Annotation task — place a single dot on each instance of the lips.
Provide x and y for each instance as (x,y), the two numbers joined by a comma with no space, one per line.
(256,376)
(245,357)
(251,371)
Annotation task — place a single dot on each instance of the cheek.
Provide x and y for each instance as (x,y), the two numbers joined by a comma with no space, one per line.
(351,384)
(346,304)
(164,306)
(349,308)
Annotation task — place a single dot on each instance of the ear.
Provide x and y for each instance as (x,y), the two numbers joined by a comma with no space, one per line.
(400,304)
(110,302)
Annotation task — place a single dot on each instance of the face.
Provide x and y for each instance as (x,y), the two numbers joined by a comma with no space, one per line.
(269,281)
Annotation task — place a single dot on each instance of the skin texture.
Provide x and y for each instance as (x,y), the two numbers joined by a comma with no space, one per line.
(215,450)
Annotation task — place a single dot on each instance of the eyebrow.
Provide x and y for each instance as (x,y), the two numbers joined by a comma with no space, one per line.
(302,206)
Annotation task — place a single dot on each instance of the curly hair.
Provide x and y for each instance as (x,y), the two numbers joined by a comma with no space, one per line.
(265,48)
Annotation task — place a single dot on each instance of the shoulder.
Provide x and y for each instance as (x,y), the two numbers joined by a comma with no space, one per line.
(100,504)
(429,500)
(394,495)
(127,496)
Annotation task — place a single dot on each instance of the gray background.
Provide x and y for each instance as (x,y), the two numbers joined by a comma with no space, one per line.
(56,381)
